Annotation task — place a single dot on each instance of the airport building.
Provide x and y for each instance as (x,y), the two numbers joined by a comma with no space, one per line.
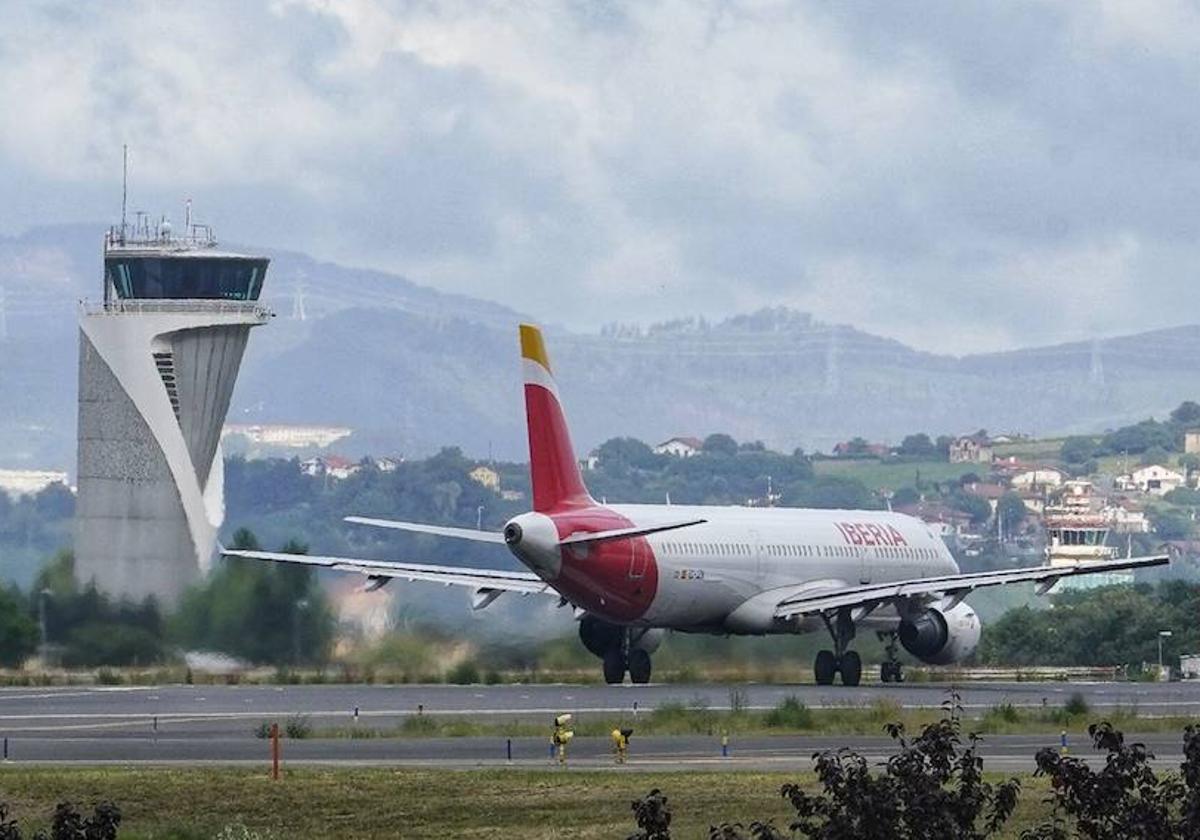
(158,359)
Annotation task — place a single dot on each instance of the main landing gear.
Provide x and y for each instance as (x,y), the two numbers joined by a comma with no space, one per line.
(890,670)
(618,660)
(621,649)
(839,660)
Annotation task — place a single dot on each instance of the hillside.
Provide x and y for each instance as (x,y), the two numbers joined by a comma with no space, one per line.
(412,369)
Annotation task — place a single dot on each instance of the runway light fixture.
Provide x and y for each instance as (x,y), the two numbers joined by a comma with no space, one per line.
(1162,634)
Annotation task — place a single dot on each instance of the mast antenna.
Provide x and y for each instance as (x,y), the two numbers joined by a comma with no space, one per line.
(124,184)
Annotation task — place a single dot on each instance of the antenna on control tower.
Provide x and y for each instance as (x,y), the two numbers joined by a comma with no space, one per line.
(124,184)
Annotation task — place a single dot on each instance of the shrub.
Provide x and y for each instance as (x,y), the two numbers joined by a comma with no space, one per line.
(464,673)
(298,728)
(932,788)
(69,824)
(1125,798)
(789,714)
(1076,705)
(653,817)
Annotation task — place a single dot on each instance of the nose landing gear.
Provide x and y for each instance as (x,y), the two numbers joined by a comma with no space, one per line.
(890,670)
(839,660)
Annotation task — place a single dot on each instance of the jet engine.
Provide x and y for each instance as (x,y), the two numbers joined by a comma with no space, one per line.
(940,636)
(599,637)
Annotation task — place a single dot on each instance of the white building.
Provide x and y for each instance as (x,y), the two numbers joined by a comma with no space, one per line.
(289,437)
(1155,479)
(158,358)
(1040,478)
(680,447)
(29,482)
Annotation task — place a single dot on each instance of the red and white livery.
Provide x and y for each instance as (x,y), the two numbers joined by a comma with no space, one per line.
(632,572)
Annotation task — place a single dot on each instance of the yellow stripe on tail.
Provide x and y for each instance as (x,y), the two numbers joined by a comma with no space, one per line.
(533,347)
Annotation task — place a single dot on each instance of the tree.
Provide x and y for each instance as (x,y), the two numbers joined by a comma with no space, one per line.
(905,496)
(1077,449)
(917,446)
(621,452)
(1170,524)
(1187,414)
(943,444)
(977,508)
(263,612)
(18,631)
(720,444)
(1011,510)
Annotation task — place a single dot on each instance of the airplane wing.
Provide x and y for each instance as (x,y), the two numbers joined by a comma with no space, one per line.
(489,584)
(868,596)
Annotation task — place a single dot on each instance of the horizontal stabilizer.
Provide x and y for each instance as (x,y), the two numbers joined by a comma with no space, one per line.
(435,530)
(584,537)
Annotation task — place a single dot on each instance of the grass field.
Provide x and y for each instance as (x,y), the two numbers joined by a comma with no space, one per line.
(170,804)
(788,718)
(894,475)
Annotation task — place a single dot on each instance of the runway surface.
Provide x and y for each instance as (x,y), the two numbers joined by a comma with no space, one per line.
(215,724)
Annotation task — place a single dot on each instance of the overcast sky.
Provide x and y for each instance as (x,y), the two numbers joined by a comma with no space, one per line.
(959,176)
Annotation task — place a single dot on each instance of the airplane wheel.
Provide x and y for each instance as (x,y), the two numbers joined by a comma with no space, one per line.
(614,667)
(825,667)
(639,666)
(887,672)
(851,668)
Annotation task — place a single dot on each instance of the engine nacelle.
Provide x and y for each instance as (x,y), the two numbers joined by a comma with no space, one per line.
(939,636)
(648,640)
(598,636)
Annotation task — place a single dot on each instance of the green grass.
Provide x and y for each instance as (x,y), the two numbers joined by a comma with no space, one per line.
(894,475)
(789,717)
(174,804)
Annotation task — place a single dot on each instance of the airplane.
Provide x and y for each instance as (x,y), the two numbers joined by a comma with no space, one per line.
(633,572)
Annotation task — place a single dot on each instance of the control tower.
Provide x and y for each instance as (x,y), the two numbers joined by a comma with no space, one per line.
(158,359)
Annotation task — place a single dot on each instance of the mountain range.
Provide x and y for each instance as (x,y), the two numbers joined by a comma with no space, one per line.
(412,369)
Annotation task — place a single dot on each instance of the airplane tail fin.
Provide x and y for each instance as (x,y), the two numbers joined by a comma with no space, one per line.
(553,468)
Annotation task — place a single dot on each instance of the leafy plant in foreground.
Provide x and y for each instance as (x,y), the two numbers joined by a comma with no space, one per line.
(1124,800)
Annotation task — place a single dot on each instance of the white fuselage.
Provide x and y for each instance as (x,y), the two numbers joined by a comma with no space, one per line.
(710,574)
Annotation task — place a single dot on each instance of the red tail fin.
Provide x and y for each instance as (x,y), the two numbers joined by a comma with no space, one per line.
(553,468)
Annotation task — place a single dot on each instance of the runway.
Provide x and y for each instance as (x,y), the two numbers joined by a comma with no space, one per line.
(215,724)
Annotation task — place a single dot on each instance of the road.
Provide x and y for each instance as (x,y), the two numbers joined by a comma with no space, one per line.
(215,724)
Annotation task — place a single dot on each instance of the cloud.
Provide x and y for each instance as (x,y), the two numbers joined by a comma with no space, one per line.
(960,177)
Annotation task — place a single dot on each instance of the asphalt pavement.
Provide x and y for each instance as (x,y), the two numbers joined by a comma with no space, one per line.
(216,724)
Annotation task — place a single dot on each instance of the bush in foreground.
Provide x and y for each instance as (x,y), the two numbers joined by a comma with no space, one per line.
(934,788)
(69,824)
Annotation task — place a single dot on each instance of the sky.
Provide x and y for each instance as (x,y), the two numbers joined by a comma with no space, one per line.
(962,177)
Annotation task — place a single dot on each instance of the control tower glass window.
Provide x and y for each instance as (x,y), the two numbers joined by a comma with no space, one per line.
(184,278)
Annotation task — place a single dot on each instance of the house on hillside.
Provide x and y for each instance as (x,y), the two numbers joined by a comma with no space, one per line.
(680,447)
(331,466)
(971,449)
(339,468)
(944,520)
(1155,480)
(1191,442)
(485,476)
(1038,479)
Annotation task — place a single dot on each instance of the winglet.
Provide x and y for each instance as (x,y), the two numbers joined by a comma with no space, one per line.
(554,471)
